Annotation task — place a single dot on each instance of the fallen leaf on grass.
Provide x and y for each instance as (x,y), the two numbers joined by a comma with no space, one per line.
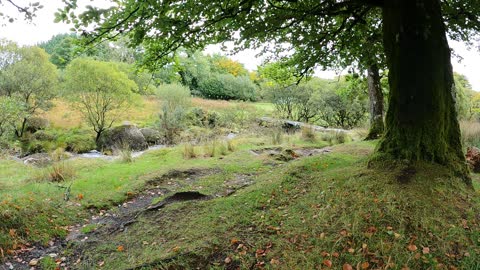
(274,261)
(347,267)
(426,250)
(228,260)
(327,263)
(120,248)
(365,265)
(412,247)
(80,196)
(260,253)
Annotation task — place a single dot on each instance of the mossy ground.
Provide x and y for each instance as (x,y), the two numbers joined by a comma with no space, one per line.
(317,212)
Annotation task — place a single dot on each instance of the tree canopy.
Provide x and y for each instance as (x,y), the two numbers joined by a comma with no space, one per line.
(99,89)
(27,76)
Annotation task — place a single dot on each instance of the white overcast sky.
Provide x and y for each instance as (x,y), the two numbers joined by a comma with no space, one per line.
(43,28)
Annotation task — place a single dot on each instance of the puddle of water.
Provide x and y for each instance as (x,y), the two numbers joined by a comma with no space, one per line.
(135,154)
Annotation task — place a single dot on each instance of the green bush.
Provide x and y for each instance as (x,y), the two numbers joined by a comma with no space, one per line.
(43,135)
(79,143)
(175,101)
(202,118)
(32,146)
(227,87)
(35,124)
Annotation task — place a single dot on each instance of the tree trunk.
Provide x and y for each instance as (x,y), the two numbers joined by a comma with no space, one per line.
(421,121)
(376,103)
(20,131)
(99,133)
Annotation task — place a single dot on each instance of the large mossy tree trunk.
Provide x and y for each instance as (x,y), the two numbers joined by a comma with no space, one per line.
(421,121)
(376,103)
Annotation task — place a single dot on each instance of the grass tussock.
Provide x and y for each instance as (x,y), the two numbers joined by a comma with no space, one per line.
(210,148)
(189,151)
(308,134)
(231,145)
(60,172)
(277,136)
(126,154)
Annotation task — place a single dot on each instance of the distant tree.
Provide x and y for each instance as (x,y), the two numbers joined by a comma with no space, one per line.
(344,104)
(143,79)
(10,110)
(61,48)
(30,79)
(278,73)
(99,90)
(223,64)
(464,93)
(294,102)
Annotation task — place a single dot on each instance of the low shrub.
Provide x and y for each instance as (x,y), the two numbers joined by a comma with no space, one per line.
(35,124)
(77,141)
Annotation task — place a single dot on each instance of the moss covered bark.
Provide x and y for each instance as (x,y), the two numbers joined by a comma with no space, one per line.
(421,121)
(376,103)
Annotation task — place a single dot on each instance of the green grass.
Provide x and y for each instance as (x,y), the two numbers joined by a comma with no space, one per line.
(303,214)
(24,190)
(307,214)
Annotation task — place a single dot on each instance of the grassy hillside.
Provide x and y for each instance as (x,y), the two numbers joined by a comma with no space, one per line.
(144,111)
(326,211)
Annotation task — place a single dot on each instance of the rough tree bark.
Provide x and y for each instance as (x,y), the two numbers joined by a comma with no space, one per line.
(421,121)
(376,103)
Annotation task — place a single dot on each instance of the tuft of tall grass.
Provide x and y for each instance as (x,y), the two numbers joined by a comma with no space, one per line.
(230,146)
(125,153)
(189,151)
(341,136)
(60,172)
(308,134)
(223,149)
(277,136)
(210,148)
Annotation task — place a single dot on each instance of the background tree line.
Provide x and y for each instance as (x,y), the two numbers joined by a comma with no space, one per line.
(102,79)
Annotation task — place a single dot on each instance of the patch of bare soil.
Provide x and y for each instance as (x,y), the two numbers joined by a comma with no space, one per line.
(289,154)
